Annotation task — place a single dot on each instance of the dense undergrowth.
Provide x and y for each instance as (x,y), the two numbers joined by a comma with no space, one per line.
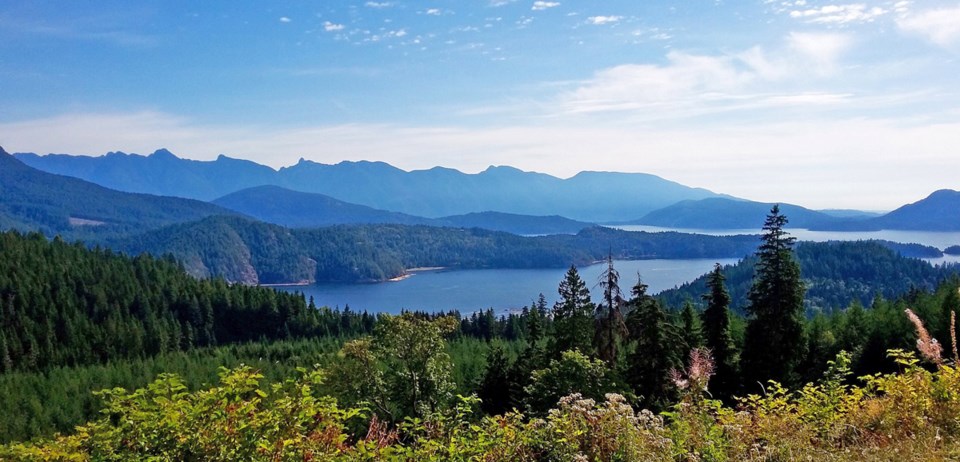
(913,414)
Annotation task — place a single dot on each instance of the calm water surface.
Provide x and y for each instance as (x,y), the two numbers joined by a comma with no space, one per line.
(500,289)
(511,289)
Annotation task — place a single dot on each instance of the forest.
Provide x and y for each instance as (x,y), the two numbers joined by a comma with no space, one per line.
(217,367)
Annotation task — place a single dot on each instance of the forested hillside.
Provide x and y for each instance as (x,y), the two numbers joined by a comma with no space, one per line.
(63,304)
(836,274)
(32,200)
(252,252)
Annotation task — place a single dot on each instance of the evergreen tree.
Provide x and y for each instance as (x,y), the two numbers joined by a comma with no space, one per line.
(610,326)
(656,352)
(494,391)
(691,330)
(572,316)
(717,337)
(536,321)
(773,345)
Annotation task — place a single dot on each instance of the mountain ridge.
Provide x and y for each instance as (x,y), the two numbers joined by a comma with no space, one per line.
(433,193)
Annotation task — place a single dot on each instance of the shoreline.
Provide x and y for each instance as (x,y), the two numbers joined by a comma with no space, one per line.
(412,272)
(287,284)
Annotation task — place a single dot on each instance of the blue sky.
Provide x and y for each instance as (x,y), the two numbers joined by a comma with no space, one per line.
(819,103)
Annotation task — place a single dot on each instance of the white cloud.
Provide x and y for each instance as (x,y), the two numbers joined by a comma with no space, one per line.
(541,5)
(838,14)
(940,26)
(378,5)
(870,164)
(601,20)
(332,27)
(637,86)
(821,49)
(434,11)
(284,19)
(688,85)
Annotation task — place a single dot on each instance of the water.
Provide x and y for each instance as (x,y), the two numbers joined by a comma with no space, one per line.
(501,289)
(509,289)
(938,239)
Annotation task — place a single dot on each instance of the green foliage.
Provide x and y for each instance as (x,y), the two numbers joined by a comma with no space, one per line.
(63,304)
(611,329)
(656,350)
(912,415)
(835,275)
(773,345)
(572,373)
(572,316)
(718,337)
(404,370)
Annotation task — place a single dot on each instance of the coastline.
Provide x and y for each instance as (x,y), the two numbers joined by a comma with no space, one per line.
(412,271)
(287,284)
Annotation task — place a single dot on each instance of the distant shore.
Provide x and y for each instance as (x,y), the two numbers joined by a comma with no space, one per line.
(287,284)
(410,272)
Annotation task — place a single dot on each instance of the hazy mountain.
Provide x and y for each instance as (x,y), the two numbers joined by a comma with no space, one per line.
(160,173)
(433,193)
(517,224)
(723,213)
(295,209)
(54,204)
(940,211)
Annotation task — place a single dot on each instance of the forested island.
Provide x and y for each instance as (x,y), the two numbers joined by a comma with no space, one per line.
(546,383)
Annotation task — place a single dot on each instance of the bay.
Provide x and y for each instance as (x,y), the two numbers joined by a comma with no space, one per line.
(503,290)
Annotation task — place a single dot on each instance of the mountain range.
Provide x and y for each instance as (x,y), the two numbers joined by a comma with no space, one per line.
(438,192)
(55,204)
(295,209)
(940,211)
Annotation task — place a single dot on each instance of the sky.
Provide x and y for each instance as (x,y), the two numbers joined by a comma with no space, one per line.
(824,104)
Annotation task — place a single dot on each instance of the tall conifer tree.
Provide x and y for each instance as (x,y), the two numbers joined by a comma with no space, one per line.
(573,315)
(716,330)
(773,346)
(657,349)
(610,326)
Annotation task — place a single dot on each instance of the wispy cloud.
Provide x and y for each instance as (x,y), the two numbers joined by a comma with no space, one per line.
(691,84)
(821,49)
(837,14)
(601,20)
(378,5)
(285,19)
(940,26)
(541,5)
(86,29)
(332,27)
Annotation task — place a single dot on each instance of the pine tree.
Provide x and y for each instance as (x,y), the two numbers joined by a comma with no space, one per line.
(610,326)
(656,352)
(572,315)
(691,330)
(773,346)
(494,391)
(716,330)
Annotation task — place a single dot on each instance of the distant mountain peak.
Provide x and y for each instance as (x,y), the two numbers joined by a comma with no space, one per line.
(163,153)
(502,169)
(3,151)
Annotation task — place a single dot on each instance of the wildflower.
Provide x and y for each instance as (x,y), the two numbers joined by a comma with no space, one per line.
(928,346)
